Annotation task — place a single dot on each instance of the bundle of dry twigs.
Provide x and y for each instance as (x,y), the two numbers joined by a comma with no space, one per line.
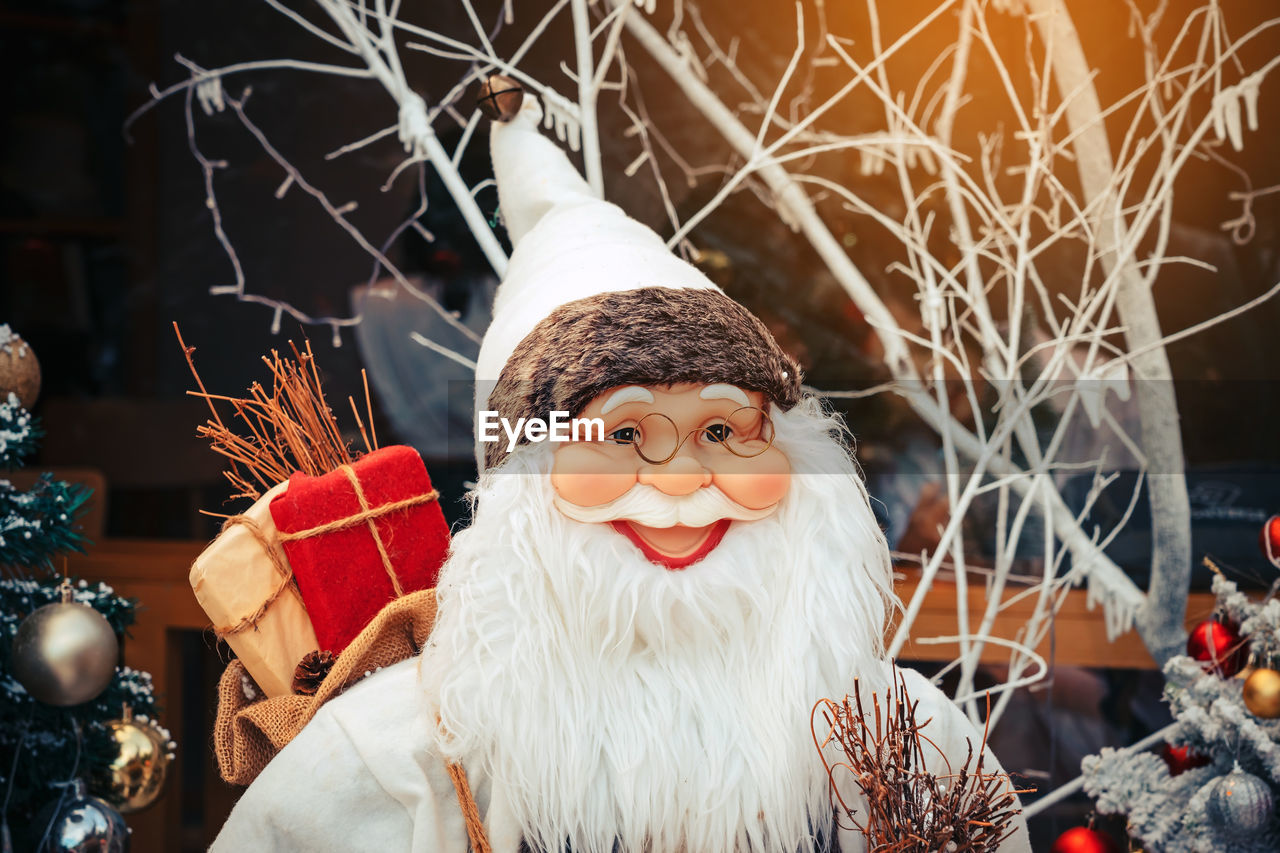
(908,808)
(289,428)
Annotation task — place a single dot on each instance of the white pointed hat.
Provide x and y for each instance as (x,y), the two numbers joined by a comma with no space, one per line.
(593,299)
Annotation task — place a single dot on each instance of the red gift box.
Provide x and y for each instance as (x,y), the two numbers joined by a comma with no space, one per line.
(359,537)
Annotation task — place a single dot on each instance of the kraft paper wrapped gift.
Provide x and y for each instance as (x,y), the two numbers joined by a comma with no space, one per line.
(252,604)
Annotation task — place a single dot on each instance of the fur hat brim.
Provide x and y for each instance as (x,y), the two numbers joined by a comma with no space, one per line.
(648,336)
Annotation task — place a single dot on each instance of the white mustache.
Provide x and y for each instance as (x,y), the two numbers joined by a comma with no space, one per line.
(650,507)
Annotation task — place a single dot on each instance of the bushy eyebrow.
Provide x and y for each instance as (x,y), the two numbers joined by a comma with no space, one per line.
(629,394)
(724,391)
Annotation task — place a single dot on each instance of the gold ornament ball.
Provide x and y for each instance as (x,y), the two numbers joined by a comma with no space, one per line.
(65,653)
(1262,694)
(19,371)
(135,777)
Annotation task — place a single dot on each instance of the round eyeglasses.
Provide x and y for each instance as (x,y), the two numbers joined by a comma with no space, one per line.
(747,432)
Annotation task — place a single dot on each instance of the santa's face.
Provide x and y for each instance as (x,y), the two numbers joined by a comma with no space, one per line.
(673,467)
(622,706)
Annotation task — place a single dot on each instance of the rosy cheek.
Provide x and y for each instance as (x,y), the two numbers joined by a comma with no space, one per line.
(586,476)
(755,483)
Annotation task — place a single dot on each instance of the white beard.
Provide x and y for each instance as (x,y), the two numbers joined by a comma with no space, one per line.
(612,700)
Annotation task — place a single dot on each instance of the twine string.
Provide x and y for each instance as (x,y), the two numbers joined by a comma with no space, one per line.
(278,562)
(366,513)
(373,529)
(470,813)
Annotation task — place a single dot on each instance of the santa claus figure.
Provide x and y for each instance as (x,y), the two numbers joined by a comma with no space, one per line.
(635,627)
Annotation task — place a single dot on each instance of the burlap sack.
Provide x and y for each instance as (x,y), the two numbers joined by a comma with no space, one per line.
(247,734)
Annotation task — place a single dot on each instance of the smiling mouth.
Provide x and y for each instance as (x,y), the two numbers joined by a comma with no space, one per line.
(677,551)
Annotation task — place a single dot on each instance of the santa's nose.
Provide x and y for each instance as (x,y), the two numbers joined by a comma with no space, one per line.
(681,476)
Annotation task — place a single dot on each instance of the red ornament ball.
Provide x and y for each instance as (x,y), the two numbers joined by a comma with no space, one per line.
(1269,540)
(1218,645)
(1081,839)
(1181,758)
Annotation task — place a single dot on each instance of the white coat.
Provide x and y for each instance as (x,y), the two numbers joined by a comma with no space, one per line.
(364,775)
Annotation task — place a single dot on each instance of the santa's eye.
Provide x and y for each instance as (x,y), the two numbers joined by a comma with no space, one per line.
(624,435)
(718,433)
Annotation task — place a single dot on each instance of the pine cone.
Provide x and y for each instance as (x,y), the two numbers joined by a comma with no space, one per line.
(310,673)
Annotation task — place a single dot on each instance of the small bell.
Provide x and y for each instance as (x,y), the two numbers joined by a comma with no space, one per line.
(500,97)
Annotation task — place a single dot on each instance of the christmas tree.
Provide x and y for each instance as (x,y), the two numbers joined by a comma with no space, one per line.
(1214,785)
(67,711)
